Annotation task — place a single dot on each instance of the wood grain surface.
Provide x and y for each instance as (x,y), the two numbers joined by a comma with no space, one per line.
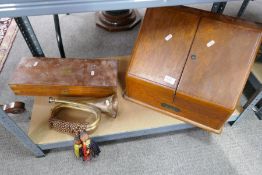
(219,72)
(162,45)
(64,77)
(210,61)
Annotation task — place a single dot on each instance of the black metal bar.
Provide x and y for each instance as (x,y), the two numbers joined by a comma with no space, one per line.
(259,56)
(28,33)
(58,36)
(254,81)
(243,8)
(259,113)
(250,104)
(218,7)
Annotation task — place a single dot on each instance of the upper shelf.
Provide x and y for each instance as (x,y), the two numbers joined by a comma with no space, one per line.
(16,8)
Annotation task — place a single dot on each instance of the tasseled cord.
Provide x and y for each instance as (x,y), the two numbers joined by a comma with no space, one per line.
(85,147)
(94,149)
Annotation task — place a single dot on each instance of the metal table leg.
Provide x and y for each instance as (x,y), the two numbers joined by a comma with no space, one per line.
(256,84)
(28,33)
(243,8)
(58,36)
(249,106)
(218,7)
(11,126)
(29,36)
(259,113)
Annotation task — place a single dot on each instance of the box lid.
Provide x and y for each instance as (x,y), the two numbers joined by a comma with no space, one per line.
(66,72)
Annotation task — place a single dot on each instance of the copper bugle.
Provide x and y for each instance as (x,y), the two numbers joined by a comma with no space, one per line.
(107,105)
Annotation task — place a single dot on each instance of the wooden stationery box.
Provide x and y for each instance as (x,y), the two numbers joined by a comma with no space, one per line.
(192,64)
(65,77)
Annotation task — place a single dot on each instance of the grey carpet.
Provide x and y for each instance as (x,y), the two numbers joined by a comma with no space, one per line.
(237,151)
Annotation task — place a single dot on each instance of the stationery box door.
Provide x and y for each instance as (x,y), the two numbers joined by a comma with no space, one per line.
(159,55)
(216,71)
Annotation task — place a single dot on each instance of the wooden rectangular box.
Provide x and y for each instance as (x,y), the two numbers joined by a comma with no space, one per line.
(65,77)
(192,64)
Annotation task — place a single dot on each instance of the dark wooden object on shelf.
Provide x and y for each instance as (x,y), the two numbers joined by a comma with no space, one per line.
(193,65)
(65,77)
(118,20)
(16,107)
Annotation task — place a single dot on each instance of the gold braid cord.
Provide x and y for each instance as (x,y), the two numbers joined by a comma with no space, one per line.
(67,127)
(106,105)
(73,128)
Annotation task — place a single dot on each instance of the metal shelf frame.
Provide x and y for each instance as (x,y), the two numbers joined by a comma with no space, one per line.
(17,8)
(20,9)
